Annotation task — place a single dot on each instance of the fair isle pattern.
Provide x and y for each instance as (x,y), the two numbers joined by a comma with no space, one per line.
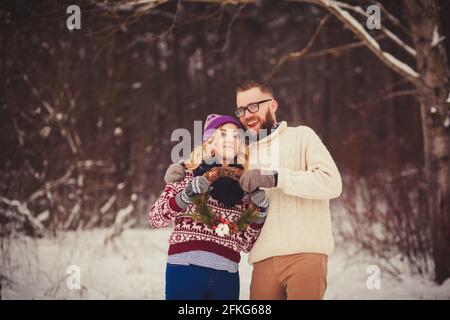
(165,212)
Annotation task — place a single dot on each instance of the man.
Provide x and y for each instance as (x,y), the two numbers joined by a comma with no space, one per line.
(295,168)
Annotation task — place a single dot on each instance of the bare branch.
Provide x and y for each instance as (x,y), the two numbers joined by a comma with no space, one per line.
(338,50)
(384,29)
(52,184)
(334,51)
(120,222)
(301,53)
(23,210)
(227,37)
(392,18)
(338,10)
(349,21)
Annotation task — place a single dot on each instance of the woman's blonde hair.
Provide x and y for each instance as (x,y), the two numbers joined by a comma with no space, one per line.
(206,150)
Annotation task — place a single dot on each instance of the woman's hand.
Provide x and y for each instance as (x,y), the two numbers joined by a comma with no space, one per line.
(260,199)
(196,186)
(174,173)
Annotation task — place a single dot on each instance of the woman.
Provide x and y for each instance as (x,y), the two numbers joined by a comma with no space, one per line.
(214,218)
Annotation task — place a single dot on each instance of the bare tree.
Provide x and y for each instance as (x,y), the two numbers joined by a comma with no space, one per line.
(136,54)
(430,77)
(433,87)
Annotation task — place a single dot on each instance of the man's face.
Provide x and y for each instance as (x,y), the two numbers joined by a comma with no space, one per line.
(264,118)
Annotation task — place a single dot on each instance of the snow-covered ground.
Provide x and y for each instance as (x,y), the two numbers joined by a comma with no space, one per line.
(133,268)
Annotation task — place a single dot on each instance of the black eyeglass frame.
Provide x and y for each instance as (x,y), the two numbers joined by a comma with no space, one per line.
(239,112)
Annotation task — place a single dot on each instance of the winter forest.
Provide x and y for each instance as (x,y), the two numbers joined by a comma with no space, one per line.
(88,106)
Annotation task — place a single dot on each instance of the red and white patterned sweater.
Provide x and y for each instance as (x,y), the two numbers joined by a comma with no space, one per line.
(190,235)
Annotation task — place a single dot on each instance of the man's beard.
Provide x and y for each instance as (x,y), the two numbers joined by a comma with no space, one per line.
(266,126)
(269,122)
(265,129)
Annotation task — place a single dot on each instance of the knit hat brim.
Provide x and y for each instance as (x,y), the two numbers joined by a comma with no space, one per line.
(216,123)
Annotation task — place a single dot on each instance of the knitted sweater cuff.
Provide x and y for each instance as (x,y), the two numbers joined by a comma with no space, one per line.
(261,218)
(258,224)
(177,204)
(281,177)
(275,175)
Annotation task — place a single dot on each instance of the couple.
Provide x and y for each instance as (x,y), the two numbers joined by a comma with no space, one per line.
(276,208)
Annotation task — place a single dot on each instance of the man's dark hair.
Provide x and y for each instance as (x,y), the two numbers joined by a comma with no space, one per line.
(250,84)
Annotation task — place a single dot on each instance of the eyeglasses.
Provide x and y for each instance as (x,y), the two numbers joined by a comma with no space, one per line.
(252,108)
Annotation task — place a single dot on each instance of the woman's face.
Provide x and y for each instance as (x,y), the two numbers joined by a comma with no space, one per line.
(226,142)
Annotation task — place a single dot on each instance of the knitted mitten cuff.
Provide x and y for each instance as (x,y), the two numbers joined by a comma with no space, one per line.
(182,200)
(261,217)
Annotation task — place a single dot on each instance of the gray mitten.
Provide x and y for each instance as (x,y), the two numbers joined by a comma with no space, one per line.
(174,173)
(260,199)
(198,185)
(255,178)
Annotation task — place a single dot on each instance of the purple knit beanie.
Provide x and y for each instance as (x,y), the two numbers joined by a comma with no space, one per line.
(214,121)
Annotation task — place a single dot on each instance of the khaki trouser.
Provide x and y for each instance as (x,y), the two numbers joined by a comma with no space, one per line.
(301,276)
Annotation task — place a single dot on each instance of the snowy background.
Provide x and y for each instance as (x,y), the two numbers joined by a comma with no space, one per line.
(86,121)
(133,266)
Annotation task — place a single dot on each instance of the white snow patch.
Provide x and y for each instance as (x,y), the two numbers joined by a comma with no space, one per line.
(436,38)
(400,65)
(447,122)
(134,268)
(118,131)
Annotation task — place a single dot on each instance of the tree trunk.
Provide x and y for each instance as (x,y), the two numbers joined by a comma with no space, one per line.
(423,17)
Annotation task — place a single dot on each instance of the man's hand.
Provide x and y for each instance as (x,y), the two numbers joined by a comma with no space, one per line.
(253,179)
(174,173)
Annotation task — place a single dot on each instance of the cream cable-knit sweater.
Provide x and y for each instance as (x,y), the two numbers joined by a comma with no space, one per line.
(298,219)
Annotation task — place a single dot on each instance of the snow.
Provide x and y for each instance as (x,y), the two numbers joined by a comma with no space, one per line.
(133,267)
(108,204)
(400,65)
(447,122)
(118,131)
(436,37)
(136,85)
